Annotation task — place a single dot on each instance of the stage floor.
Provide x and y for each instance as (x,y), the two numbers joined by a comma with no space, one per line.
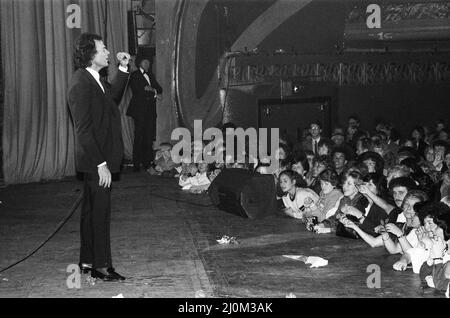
(167,247)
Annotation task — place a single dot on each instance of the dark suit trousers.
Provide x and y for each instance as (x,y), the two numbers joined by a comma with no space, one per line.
(95,223)
(143,140)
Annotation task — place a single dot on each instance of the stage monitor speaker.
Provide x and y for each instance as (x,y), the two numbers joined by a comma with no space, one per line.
(244,193)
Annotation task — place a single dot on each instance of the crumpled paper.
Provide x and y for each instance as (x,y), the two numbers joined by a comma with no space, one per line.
(315,261)
(90,280)
(323,230)
(297,257)
(118,296)
(227,240)
(200,294)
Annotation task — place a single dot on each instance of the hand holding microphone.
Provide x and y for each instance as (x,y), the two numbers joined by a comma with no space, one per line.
(124,58)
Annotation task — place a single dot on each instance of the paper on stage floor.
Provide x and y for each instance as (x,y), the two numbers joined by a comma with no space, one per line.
(323,230)
(315,261)
(227,240)
(297,257)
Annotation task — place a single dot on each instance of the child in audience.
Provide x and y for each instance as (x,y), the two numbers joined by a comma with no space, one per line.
(200,182)
(163,163)
(196,180)
(188,170)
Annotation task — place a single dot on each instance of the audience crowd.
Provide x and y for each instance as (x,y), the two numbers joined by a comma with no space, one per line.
(378,187)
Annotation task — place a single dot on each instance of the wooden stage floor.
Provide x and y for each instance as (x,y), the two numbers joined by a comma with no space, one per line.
(167,247)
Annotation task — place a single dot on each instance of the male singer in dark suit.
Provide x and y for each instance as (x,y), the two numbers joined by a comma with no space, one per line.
(142,109)
(98,148)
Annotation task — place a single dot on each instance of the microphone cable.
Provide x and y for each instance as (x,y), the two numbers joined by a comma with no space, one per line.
(58,227)
(70,214)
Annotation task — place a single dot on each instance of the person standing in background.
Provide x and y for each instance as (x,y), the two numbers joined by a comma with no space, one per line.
(142,109)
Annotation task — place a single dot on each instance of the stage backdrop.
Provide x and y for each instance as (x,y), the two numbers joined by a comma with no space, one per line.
(37,39)
(197,43)
(203,40)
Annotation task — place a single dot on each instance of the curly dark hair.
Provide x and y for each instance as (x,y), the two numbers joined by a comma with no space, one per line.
(379,181)
(439,211)
(324,160)
(85,50)
(301,157)
(341,150)
(375,157)
(289,173)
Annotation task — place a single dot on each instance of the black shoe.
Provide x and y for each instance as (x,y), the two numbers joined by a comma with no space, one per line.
(112,276)
(112,271)
(85,268)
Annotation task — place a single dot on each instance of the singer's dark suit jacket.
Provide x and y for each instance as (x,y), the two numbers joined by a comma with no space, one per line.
(98,134)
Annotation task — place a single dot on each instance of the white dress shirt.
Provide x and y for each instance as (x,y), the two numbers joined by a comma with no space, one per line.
(145,75)
(96,76)
(313,145)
